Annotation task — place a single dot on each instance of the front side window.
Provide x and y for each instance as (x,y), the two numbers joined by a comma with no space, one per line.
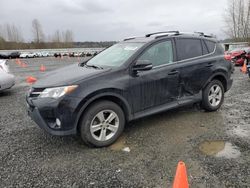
(188,48)
(159,54)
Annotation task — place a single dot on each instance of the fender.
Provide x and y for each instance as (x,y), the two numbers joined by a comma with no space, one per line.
(220,72)
(99,94)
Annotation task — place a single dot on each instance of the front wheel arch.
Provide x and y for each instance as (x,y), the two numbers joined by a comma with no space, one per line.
(108,97)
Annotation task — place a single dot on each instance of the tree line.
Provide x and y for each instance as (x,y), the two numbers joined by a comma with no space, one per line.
(237,20)
(11,37)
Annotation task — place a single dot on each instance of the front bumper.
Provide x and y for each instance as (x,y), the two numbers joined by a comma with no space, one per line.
(42,113)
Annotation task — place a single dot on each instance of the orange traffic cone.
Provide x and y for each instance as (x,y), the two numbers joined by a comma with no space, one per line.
(23,65)
(18,62)
(42,68)
(181,180)
(244,68)
(31,79)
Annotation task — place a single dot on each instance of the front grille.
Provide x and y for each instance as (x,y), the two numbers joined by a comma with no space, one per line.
(35,92)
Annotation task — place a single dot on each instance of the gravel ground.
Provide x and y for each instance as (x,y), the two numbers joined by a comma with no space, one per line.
(30,157)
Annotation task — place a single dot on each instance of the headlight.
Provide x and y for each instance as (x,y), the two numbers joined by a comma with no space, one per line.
(57,92)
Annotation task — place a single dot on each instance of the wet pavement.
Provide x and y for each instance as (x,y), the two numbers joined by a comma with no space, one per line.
(220,149)
(215,146)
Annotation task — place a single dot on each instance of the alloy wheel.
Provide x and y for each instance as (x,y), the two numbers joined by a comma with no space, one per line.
(215,95)
(104,125)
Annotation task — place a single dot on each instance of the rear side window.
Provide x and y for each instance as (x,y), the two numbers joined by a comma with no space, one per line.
(188,48)
(210,45)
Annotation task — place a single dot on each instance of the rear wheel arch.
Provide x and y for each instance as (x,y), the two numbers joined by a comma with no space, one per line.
(113,97)
(218,76)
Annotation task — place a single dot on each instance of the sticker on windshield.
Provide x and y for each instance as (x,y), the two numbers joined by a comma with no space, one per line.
(132,48)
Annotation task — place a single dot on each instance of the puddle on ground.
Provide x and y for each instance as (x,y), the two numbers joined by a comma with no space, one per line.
(119,144)
(220,149)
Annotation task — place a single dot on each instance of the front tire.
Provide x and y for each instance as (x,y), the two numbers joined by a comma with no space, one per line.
(102,124)
(213,96)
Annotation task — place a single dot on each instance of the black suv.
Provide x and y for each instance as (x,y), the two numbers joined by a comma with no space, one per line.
(138,77)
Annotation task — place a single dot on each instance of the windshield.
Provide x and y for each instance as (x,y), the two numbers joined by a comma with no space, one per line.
(115,55)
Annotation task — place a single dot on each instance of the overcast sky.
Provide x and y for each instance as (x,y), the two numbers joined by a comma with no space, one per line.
(95,20)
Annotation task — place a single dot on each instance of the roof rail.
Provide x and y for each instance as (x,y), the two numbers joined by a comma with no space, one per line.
(162,32)
(167,33)
(200,33)
(129,38)
(203,34)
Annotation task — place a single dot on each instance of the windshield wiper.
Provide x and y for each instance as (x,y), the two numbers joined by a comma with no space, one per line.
(87,65)
(93,66)
(82,63)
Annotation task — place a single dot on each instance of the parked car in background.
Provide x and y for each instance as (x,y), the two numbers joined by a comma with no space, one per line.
(4,55)
(77,54)
(72,54)
(57,55)
(14,55)
(44,54)
(38,54)
(130,80)
(28,55)
(237,56)
(9,55)
(88,54)
(7,80)
(65,54)
(24,55)
(82,54)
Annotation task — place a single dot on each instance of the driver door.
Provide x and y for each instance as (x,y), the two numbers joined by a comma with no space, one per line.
(158,86)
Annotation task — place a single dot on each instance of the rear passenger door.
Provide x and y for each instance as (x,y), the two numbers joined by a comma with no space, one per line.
(195,64)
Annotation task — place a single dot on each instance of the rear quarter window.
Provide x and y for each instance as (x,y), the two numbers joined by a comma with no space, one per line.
(210,45)
(220,48)
(188,48)
(204,48)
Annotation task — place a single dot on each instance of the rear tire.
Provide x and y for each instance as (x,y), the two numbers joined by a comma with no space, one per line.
(213,96)
(102,124)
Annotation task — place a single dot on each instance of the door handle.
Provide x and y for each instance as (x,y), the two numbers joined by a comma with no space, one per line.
(173,72)
(209,65)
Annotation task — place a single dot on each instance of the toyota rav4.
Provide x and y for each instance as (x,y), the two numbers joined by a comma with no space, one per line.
(135,78)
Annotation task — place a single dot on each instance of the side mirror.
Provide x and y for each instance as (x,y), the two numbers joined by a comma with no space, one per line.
(142,65)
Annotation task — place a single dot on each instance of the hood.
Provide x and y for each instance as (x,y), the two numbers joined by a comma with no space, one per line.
(66,76)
